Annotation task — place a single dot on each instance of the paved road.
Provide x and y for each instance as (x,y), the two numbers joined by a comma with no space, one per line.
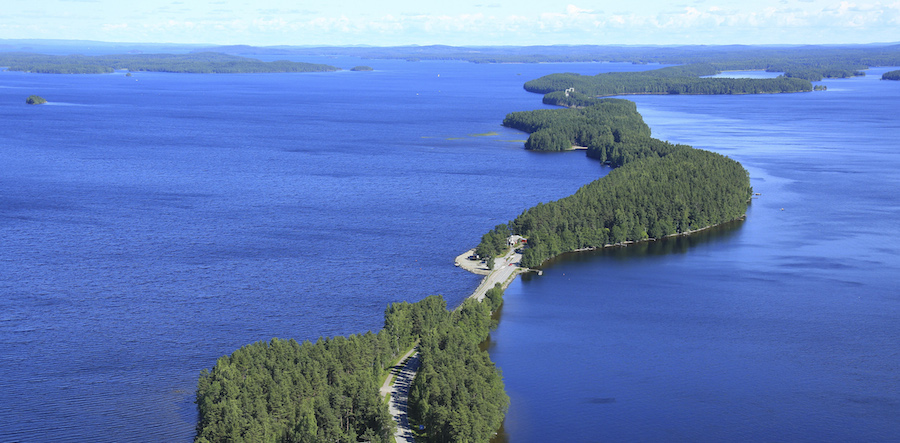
(504,269)
(399,396)
(386,387)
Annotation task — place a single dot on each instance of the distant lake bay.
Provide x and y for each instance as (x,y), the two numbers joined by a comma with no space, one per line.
(153,223)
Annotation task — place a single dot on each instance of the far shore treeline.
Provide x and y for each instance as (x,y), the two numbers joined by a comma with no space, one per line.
(657,189)
(810,62)
(198,63)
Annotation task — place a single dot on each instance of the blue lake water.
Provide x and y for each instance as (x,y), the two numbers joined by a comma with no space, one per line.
(785,327)
(152,224)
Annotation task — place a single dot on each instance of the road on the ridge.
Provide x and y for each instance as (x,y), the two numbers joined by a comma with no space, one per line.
(399,393)
(504,268)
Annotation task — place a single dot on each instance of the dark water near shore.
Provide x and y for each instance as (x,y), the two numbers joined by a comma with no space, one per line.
(780,328)
(152,224)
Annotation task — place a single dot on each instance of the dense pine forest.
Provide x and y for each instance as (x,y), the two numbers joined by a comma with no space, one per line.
(891,75)
(284,391)
(657,189)
(458,394)
(199,63)
(560,129)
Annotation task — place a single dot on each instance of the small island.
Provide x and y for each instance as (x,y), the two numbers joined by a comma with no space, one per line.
(891,75)
(35,100)
(361,68)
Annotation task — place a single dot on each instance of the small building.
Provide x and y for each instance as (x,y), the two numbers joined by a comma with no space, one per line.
(514,240)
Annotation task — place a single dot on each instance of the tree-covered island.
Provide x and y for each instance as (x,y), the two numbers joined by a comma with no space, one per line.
(361,68)
(35,100)
(891,75)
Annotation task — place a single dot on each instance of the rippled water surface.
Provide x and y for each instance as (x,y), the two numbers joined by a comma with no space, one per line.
(152,224)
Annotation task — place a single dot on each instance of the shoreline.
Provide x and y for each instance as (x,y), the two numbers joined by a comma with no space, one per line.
(512,259)
(646,240)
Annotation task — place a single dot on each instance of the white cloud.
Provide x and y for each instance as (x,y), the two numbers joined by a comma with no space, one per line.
(264,22)
(575,10)
(116,26)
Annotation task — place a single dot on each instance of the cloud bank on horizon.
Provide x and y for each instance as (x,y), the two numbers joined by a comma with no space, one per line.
(488,22)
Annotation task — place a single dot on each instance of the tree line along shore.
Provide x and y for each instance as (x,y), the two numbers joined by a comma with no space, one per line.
(657,188)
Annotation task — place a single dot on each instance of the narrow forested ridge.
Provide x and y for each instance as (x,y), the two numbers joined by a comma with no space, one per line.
(657,189)
(458,394)
(284,391)
(559,129)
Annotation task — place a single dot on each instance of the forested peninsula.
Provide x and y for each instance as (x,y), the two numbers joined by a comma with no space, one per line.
(657,189)
(891,75)
(284,391)
(197,63)
(569,89)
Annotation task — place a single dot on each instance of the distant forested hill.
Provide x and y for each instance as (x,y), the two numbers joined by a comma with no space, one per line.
(199,63)
(810,62)
(807,62)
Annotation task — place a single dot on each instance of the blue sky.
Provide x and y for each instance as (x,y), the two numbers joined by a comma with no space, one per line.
(463,22)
